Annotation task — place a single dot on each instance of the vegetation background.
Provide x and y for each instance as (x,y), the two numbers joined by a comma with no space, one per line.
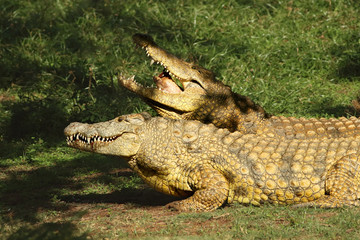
(59,61)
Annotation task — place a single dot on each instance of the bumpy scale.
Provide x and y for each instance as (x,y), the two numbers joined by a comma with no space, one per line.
(212,166)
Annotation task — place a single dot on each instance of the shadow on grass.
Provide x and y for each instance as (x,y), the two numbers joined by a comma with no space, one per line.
(350,67)
(26,195)
(348,54)
(327,108)
(46,118)
(43,118)
(51,231)
(335,111)
(141,197)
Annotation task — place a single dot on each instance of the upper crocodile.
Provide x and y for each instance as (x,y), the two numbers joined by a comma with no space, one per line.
(208,100)
(211,166)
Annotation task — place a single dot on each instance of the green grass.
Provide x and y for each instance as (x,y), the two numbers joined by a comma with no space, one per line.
(58,60)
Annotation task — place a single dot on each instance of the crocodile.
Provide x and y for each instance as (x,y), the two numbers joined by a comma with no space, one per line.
(210,167)
(202,97)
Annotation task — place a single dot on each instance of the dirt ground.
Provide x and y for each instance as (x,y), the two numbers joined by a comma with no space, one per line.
(141,213)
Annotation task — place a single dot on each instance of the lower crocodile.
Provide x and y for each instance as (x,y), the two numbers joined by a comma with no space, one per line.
(211,167)
(202,97)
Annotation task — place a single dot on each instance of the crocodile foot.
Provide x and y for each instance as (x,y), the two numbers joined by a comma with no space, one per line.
(192,205)
(211,190)
(183,206)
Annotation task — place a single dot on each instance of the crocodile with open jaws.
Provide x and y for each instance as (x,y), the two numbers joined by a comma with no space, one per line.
(208,100)
(211,166)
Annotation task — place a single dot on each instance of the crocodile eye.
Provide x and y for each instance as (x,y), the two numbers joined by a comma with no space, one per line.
(119,119)
(196,68)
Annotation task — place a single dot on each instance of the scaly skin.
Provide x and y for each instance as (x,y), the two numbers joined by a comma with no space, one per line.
(205,99)
(212,166)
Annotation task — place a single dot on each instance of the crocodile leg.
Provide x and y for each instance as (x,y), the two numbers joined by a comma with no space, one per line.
(211,190)
(342,185)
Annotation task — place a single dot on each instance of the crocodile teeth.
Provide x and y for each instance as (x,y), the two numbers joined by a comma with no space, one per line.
(139,84)
(152,61)
(88,140)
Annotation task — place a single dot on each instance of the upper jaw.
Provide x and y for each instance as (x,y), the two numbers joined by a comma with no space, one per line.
(175,69)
